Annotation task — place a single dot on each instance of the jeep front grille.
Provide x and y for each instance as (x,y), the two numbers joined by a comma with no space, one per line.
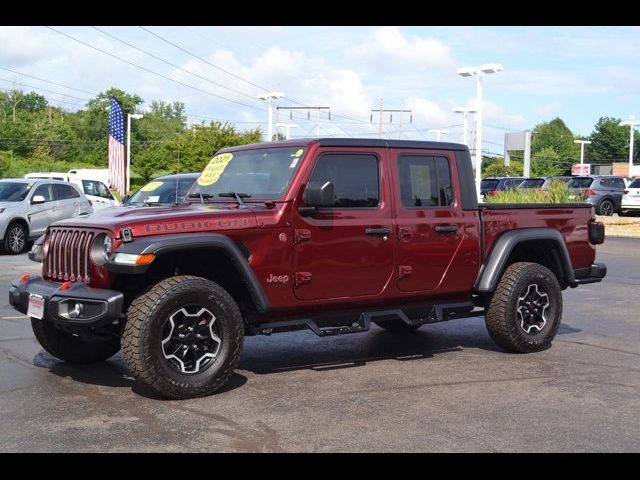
(67,254)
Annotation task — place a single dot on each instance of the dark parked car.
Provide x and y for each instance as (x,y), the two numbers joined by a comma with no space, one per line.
(533,182)
(162,191)
(492,185)
(563,178)
(603,192)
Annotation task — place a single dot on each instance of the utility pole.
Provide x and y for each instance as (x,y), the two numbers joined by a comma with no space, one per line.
(308,109)
(582,144)
(268,97)
(438,133)
(390,111)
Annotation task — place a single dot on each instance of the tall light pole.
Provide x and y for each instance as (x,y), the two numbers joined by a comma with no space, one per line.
(582,144)
(464,111)
(632,123)
(130,116)
(438,133)
(478,71)
(287,128)
(268,97)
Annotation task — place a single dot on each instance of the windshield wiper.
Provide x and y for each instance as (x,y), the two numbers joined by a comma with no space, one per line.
(201,196)
(237,196)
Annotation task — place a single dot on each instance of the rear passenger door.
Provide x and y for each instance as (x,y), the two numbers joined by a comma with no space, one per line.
(68,200)
(430,224)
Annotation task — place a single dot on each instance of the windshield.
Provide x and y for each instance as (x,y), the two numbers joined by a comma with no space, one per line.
(263,173)
(635,183)
(13,191)
(532,183)
(580,182)
(162,191)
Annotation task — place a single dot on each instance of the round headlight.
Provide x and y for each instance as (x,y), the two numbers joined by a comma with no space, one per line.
(101,249)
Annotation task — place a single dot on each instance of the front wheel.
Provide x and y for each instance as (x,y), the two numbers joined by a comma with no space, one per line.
(183,337)
(15,239)
(526,309)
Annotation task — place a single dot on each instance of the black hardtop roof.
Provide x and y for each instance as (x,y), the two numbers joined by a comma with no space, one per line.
(353,142)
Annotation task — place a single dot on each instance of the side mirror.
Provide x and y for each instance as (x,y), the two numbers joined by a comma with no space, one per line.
(37,200)
(125,199)
(317,195)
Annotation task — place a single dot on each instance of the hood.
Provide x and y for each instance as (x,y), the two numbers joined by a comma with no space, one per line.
(163,220)
(9,204)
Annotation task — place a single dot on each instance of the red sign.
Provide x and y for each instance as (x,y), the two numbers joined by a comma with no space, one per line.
(584,169)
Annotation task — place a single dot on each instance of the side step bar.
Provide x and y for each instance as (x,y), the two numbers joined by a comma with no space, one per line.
(438,313)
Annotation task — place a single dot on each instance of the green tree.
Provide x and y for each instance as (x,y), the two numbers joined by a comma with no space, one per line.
(514,169)
(547,162)
(610,141)
(556,135)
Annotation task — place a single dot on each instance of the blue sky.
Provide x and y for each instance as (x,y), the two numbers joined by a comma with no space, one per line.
(577,73)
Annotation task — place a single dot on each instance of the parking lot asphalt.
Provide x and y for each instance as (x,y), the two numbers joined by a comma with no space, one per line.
(446,387)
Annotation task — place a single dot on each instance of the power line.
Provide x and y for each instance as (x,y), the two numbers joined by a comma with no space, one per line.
(48,81)
(202,59)
(48,99)
(21,84)
(173,64)
(151,71)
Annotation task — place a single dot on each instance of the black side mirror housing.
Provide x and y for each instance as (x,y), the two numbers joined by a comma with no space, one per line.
(320,194)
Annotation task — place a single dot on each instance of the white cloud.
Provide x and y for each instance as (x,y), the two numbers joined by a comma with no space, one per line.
(388,47)
(21,46)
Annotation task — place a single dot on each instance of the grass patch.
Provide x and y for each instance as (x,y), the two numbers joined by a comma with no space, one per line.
(558,192)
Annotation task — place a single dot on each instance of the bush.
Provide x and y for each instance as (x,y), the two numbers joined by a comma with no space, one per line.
(558,192)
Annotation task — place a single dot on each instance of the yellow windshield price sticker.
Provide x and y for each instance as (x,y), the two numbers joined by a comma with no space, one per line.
(299,152)
(211,173)
(151,186)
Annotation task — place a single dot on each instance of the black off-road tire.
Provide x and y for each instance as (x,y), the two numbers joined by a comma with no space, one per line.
(502,319)
(606,208)
(142,337)
(72,349)
(15,245)
(396,325)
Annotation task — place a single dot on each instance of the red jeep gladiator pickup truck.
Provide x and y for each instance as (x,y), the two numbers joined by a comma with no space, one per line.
(325,234)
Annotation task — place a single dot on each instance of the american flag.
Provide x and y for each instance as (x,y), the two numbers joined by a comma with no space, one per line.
(117,168)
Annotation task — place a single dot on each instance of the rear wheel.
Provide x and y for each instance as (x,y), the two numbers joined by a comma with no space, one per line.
(70,348)
(15,238)
(606,208)
(526,309)
(183,337)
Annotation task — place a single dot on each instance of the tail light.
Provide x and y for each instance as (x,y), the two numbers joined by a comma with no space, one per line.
(626,192)
(588,191)
(596,232)
(492,192)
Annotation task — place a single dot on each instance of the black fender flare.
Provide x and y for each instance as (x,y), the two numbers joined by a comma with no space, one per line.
(496,262)
(166,244)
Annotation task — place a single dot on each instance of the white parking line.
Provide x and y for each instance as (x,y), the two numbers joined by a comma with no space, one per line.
(14,318)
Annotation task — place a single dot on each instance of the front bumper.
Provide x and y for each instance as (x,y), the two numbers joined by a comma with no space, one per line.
(595,273)
(99,307)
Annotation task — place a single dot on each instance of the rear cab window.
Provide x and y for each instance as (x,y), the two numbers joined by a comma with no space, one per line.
(425,181)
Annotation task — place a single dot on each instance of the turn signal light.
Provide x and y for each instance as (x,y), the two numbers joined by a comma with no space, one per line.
(24,278)
(145,259)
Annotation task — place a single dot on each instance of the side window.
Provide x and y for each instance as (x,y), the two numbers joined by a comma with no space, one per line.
(355,177)
(618,183)
(90,187)
(45,191)
(512,183)
(64,192)
(104,191)
(425,181)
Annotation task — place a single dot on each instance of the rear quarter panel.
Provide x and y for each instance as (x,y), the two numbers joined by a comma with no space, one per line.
(571,221)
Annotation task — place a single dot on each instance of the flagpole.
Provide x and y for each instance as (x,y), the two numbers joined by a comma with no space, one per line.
(135,116)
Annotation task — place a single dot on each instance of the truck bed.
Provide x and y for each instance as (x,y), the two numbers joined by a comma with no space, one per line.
(571,220)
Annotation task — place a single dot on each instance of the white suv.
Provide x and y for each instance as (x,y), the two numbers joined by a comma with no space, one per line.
(631,198)
(90,184)
(28,207)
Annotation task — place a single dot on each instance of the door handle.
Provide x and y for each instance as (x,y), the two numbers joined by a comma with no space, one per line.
(378,232)
(446,228)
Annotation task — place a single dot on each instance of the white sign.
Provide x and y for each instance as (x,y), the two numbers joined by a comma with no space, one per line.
(584,169)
